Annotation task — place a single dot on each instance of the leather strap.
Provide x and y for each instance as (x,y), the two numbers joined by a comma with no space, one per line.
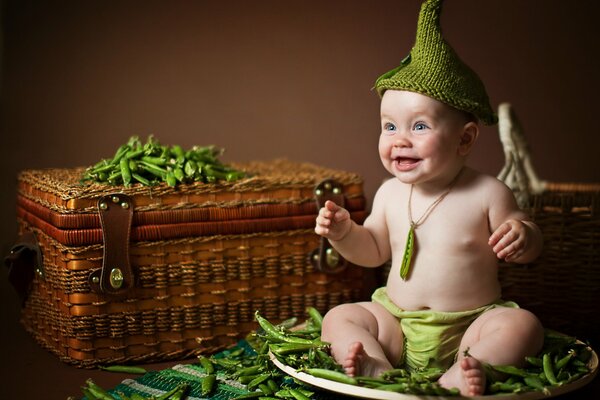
(326,258)
(23,261)
(116,276)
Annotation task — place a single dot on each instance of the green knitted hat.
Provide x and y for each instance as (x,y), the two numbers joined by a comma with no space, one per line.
(433,68)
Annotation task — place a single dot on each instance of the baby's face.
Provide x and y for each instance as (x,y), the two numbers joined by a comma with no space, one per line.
(420,137)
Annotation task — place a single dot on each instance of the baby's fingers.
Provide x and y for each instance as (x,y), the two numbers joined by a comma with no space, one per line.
(499,234)
(331,206)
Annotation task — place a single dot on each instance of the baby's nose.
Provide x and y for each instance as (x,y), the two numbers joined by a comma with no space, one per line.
(401,142)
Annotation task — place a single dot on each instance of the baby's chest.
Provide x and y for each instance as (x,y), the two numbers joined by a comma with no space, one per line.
(459,227)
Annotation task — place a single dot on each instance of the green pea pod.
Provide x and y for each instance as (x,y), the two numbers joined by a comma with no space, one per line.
(154,170)
(562,362)
(115,177)
(265,389)
(88,394)
(298,395)
(258,380)
(548,369)
(178,153)
(284,394)
(125,171)
(208,384)
(236,353)
(124,368)
(121,151)
(264,348)
(510,370)
(179,175)
(246,379)
(249,370)
(133,166)
(289,348)
(394,387)
(134,154)
(140,179)
(97,391)
(174,394)
(315,316)
(332,375)
(535,361)
(102,168)
(252,395)
(206,364)
(274,333)
(273,385)
(408,253)
(155,160)
(189,168)
(534,382)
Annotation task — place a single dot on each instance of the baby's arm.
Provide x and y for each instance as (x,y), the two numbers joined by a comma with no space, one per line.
(515,237)
(366,244)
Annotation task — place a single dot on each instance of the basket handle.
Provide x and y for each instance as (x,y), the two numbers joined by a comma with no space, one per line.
(23,261)
(325,258)
(518,172)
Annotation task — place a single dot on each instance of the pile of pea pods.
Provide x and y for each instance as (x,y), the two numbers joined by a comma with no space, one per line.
(152,163)
(562,361)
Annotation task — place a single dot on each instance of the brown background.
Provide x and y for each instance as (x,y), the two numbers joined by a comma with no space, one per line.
(267,79)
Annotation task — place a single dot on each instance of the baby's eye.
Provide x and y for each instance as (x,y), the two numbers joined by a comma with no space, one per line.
(419,126)
(388,126)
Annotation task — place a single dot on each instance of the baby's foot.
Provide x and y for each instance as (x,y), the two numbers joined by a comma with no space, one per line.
(467,375)
(358,362)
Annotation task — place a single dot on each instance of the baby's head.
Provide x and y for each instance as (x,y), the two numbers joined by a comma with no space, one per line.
(433,69)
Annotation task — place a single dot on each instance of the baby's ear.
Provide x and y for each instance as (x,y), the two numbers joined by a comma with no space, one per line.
(468,137)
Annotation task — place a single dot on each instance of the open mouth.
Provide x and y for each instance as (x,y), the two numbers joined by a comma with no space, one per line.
(406,163)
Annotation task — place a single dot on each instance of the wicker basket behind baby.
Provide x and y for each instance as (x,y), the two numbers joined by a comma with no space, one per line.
(562,287)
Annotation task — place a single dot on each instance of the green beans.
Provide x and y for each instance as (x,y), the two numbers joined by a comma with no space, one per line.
(549,369)
(315,317)
(153,163)
(274,334)
(125,369)
(332,375)
(208,384)
(207,365)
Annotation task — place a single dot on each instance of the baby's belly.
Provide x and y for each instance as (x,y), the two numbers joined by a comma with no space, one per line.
(448,287)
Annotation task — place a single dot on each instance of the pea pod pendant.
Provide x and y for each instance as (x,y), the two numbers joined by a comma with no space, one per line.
(408,253)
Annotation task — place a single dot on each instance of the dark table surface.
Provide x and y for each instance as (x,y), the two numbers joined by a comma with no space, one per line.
(31,372)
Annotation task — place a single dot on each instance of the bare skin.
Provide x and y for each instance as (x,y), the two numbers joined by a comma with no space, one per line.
(424,143)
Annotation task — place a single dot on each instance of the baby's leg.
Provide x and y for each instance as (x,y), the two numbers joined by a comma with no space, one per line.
(500,336)
(365,338)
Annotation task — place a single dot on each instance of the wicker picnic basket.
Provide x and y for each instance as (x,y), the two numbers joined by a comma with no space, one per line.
(562,287)
(140,274)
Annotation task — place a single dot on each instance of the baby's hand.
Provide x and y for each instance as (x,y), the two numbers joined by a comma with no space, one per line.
(333,221)
(509,241)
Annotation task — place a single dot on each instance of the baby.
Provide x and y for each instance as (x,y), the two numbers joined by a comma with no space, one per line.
(443,225)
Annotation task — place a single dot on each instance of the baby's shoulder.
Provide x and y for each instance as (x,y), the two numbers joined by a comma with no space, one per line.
(487,186)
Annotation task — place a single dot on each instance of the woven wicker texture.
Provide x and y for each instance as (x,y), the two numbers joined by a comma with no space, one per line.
(562,287)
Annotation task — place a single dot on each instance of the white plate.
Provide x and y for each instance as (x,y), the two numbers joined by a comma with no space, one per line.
(367,393)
